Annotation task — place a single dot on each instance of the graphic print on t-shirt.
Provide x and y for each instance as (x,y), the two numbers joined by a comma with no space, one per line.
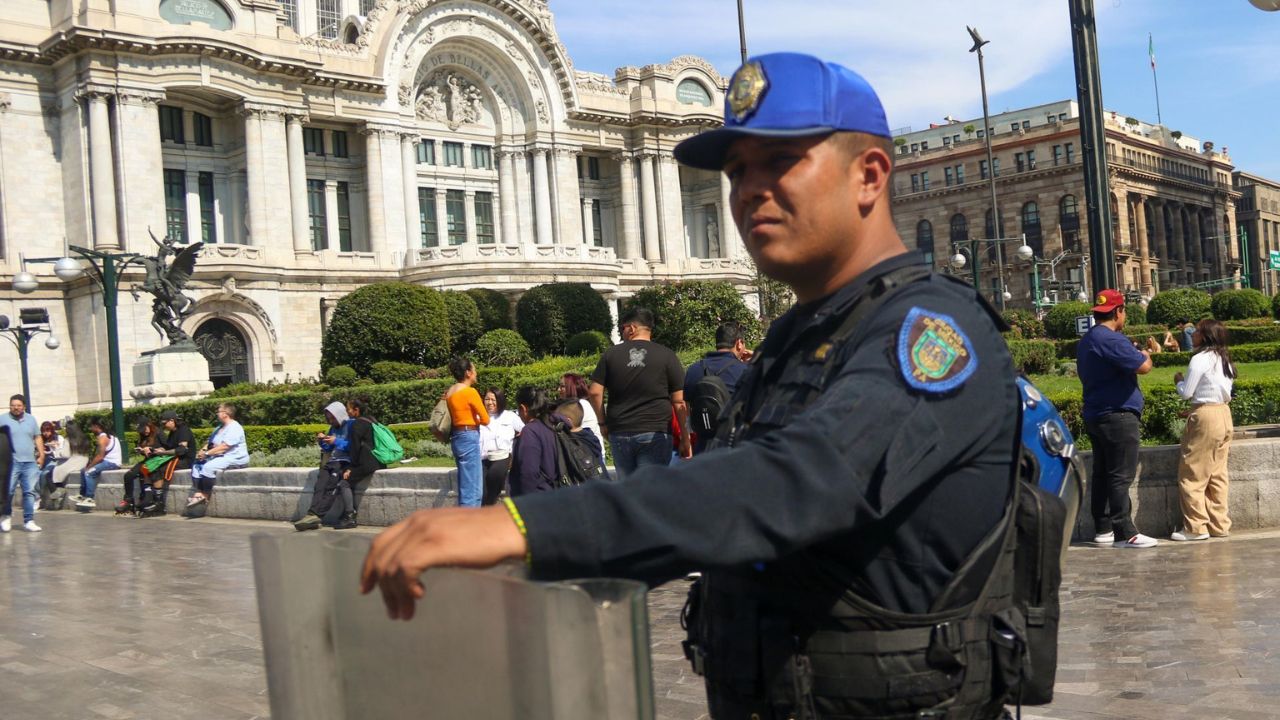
(637,357)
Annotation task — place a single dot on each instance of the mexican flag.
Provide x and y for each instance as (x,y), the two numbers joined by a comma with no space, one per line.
(1151,50)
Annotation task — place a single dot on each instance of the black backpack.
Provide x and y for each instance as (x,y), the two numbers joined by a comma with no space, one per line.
(709,397)
(577,461)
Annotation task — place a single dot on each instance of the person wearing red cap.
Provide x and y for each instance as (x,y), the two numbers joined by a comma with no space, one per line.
(1109,365)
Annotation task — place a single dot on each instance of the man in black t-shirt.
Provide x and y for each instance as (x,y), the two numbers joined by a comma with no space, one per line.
(645,381)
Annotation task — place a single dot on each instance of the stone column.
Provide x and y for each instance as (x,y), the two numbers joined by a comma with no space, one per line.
(730,239)
(569,196)
(1193,237)
(630,245)
(253,166)
(541,197)
(442,217)
(1144,249)
(298,185)
(409,170)
(376,192)
(469,216)
(588,227)
(141,168)
(331,216)
(102,174)
(193,205)
(523,182)
(507,198)
(675,245)
(1179,240)
(649,210)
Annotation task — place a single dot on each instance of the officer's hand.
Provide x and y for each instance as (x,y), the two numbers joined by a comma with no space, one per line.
(461,537)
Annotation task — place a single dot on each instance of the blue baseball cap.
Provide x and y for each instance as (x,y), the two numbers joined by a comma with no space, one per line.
(787,95)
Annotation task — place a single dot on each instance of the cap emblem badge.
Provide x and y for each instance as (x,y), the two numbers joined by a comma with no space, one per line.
(1102,300)
(745,90)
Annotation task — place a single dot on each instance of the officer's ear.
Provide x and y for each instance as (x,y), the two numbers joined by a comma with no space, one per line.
(874,168)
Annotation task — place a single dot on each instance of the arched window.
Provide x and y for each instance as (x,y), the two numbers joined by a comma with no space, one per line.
(924,240)
(959,228)
(1031,227)
(226,351)
(692,92)
(1069,213)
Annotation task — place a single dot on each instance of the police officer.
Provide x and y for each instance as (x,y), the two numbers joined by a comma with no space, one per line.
(865,462)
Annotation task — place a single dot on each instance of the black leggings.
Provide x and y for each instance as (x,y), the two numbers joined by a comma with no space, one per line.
(495,478)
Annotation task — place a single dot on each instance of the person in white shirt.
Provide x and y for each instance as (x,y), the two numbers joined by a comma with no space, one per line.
(1202,470)
(496,440)
(574,387)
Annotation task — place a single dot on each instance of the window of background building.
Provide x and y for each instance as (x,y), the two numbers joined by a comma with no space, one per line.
(1013,127)
(290,13)
(1071,153)
(1057,155)
(427,152)
(924,240)
(175,204)
(924,180)
(202,126)
(340,144)
(366,6)
(960,174)
(427,217)
(484,217)
(915,147)
(171,124)
(981,134)
(1031,227)
(593,168)
(955,139)
(453,154)
(1020,161)
(995,166)
(455,202)
(915,182)
(313,141)
(924,144)
(1031,159)
(946,140)
(316,214)
(208,227)
(1062,117)
(327,15)
(482,157)
(344,217)
(948,176)
(982,169)
(692,92)
(1026,124)
(903,149)
(597,227)
(959,228)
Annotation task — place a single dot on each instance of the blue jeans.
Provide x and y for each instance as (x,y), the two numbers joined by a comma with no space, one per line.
(633,450)
(89,477)
(26,473)
(466,453)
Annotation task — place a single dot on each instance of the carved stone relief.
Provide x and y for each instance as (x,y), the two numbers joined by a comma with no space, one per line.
(449,98)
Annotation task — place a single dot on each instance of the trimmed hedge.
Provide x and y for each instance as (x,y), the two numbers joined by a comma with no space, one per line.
(494,307)
(388,371)
(1032,356)
(1024,324)
(1260,352)
(341,376)
(688,313)
(1135,314)
(1237,335)
(548,315)
(1240,304)
(591,342)
(273,438)
(387,321)
(1178,305)
(502,347)
(1060,321)
(465,324)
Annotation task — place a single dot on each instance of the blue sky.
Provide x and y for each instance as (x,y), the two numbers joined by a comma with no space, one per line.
(1219,79)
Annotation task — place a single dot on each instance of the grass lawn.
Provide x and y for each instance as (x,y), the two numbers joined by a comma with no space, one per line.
(1158,377)
(426,462)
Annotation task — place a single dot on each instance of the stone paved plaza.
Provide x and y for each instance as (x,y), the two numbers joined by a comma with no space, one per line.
(115,618)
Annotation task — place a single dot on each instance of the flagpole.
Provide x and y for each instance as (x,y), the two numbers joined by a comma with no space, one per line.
(1151,50)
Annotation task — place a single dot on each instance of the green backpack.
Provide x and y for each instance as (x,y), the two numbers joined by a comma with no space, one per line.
(385,447)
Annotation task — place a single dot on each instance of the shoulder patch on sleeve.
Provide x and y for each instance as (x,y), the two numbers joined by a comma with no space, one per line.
(934,354)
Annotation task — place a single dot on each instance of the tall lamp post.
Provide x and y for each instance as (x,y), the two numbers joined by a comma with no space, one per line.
(31,322)
(105,270)
(978,42)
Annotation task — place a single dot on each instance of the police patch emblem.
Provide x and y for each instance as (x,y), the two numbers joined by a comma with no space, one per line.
(934,354)
(745,90)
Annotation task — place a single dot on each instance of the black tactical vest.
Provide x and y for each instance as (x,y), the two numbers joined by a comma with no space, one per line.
(795,640)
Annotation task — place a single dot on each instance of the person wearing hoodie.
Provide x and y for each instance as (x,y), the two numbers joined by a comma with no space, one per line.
(336,458)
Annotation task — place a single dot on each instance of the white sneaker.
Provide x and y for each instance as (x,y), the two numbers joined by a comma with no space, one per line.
(6,523)
(76,498)
(37,503)
(1137,541)
(1180,536)
(85,502)
(1104,538)
(31,526)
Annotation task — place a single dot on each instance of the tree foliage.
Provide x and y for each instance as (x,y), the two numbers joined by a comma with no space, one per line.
(503,348)
(387,321)
(465,324)
(1240,304)
(548,315)
(495,308)
(688,313)
(1179,305)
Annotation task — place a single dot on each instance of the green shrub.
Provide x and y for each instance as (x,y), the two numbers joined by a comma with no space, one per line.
(387,321)
(388,371)
(1032,356)
(1258,352)
(1252,334)
(495,308)
(503,348)
(1135,314)
(1275,306)
(1060,321)
(341,376)
(1024,323)
(465,323)
(548,315)
(590,342)
(271,386)
(1179,305)
(688,313)
(1240,304)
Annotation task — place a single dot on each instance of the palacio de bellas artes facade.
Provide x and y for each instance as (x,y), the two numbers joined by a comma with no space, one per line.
(315,146)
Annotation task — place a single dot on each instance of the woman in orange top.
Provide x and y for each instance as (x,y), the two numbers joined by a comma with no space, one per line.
(466,410)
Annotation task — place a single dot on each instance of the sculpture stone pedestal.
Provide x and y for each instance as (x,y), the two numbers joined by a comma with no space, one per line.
(173,374)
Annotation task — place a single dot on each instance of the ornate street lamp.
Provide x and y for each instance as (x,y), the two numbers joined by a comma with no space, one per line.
(31,322)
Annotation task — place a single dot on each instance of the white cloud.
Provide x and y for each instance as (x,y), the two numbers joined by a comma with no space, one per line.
(915,52)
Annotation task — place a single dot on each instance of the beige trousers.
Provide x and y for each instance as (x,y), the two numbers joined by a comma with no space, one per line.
(1202,470)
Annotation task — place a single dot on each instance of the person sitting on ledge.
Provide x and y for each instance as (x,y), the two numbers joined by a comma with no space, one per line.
(149,438)
(107,457)
(225,450)
(335,461)
(174,454)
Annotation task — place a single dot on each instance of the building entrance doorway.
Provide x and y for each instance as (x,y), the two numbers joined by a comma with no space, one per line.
(226,350)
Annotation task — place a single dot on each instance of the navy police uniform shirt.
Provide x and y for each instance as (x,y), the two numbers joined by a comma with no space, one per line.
(893,474)
(1107,363)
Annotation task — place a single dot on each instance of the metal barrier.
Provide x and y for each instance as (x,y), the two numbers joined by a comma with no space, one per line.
(482,644)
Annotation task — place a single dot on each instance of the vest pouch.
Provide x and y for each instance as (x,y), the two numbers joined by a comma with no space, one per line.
(1041,524)
(726,627)
(1008,653)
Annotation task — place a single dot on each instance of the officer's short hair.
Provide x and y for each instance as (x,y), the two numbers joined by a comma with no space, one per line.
(728,335)
(641,316)
(855,143)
